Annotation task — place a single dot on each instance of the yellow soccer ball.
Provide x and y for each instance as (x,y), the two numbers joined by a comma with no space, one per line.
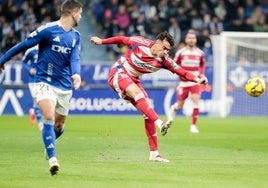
(255,87)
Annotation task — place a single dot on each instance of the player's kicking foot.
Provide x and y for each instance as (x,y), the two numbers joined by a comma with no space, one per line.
(32,116)
(54,166)
(165,126)
(158,158)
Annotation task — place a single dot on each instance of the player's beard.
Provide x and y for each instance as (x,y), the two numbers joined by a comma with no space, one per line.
(75,22)
(191,45)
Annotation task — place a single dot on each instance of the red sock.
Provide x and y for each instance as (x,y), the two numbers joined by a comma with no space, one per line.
(150,130)
(146,109)
(195,115)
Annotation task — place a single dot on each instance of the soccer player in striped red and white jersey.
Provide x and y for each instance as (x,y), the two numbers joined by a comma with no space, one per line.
(145,56)
(190,58)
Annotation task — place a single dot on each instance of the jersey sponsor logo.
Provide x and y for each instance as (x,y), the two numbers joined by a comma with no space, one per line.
(190,63)
(56,39)
(141,64)
(61,49)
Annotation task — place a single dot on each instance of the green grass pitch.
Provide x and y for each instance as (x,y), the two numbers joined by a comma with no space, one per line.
(112,152)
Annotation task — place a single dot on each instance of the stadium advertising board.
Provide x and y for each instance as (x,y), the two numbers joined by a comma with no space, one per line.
(97,98)
(244,105)
(95,101)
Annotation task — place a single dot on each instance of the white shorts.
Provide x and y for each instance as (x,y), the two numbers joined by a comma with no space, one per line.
(31,87)
(61,98)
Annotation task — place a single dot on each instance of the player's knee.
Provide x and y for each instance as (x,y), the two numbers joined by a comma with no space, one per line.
(59,125)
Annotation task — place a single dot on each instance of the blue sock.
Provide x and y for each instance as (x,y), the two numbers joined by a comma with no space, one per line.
(49,138)
(58,133)
(38,113)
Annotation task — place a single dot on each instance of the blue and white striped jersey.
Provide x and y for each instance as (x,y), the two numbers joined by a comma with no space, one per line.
(59,54)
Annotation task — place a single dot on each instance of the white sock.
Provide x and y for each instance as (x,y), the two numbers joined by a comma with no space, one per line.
(158,123)
(154,153)
(175,106)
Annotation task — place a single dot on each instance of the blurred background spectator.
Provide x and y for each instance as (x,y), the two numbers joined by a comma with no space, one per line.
(207,17)
(139,17)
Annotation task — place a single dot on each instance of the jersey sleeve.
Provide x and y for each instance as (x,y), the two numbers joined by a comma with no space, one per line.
(129,41)
(75,57)
(30,41)
(178,56)
(175,68)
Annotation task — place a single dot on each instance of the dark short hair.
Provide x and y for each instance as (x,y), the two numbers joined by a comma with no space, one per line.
(166,36)
(191,31)
(68,6)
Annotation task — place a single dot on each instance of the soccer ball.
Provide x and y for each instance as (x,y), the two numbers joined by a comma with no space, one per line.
(255,87)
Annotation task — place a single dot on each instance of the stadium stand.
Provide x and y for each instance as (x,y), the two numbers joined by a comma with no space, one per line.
(207,17)
(135,17)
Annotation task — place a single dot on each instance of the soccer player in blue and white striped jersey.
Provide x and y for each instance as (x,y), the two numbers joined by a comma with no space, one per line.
(57,72)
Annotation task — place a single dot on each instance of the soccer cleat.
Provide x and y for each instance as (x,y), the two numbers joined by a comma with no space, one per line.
(54,166)
(32,116)
(171,113)
(165,126)
(194,129)
(158,158)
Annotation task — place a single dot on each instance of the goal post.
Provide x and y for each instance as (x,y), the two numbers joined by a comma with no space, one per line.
(237,56)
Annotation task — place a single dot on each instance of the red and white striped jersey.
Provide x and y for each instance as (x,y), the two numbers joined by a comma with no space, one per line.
(190,60)
(139,60)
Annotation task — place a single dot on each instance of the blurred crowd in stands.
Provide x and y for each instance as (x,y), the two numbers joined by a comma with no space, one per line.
(140,17)
(18,18)
(149,17)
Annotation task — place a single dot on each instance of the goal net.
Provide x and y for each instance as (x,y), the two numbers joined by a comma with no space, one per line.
(239,56)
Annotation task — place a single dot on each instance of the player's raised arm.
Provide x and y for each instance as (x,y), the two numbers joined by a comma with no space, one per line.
(112,40)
